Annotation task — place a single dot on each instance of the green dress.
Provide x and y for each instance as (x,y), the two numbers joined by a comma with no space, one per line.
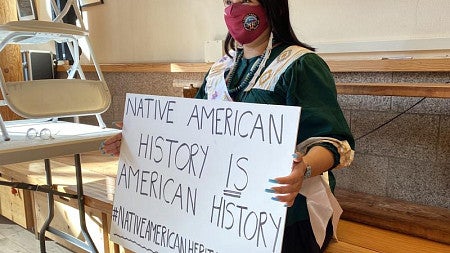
(307,83)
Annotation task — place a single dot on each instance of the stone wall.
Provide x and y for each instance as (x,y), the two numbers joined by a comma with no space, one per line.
(408,158)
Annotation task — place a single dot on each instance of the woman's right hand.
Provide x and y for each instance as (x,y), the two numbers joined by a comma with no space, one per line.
(111,145)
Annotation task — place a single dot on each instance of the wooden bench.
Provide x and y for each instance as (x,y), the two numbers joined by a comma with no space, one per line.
(359,238)
(99,174)
(427,222)
(367,219)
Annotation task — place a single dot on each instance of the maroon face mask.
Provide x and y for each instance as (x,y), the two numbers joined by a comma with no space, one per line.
(245,22)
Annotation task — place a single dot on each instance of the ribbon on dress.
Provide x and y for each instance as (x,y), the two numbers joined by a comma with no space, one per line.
(322,206)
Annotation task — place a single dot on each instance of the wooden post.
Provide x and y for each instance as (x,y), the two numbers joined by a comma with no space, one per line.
(10,58)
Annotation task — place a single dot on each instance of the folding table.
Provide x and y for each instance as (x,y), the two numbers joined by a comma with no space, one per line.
(67,138)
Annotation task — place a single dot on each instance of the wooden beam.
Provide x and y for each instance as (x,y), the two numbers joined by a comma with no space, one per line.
(124,67)
(388,65)
(432,223)
(145,67)
(431,90)
(190,67)
(434,90)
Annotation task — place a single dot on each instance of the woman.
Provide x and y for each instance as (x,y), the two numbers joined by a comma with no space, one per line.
(267,64)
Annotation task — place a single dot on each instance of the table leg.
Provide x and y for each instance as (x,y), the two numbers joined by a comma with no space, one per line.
(88,243)
(51,210)
(81,211)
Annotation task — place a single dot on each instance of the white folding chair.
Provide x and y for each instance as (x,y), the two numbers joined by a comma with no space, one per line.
(53,97)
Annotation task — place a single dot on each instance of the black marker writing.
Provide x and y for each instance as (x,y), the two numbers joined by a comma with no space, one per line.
(150,108)
(156,233)
(245,223)
(157,186)
(229,122)
(187,157)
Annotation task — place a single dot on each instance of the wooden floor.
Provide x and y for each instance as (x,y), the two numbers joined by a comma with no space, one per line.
(15,239)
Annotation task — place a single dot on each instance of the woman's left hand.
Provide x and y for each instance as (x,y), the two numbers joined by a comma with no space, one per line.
(290,185)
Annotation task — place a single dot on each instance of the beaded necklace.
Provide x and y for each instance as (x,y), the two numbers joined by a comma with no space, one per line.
(234,91)
(254,72)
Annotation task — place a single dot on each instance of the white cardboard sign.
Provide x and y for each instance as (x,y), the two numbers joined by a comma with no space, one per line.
(192,175)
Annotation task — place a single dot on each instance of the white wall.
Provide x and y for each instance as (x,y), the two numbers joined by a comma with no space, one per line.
(124,31)
(154,30)
(371,20)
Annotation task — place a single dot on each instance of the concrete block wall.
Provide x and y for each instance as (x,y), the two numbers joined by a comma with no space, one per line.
(407,159)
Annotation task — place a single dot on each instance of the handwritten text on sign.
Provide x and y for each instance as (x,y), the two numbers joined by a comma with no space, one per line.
(192,175)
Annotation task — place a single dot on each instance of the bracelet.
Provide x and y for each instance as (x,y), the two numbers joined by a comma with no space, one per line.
(308,171)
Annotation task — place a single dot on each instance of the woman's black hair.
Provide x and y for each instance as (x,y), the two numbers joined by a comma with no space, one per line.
(279,20)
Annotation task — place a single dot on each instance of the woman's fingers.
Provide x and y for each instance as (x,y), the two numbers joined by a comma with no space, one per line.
(113,139)
(288,199)
(297,157)
(289,186)
(286,192)
(111,145)
(119,124)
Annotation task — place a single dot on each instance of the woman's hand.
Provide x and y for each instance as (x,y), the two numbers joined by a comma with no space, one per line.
(318,157)
(111,145)
(290,185)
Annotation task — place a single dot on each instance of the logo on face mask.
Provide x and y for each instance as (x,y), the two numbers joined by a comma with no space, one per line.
(250,22)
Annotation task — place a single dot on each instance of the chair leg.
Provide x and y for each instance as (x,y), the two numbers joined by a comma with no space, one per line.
(3,128)
(100,121)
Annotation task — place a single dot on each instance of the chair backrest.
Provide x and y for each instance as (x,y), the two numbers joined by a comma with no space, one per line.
(56,97)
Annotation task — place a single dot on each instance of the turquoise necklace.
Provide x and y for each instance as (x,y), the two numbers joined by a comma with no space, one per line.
(236,90)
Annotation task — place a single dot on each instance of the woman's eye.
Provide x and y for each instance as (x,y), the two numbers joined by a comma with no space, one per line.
(229,2)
